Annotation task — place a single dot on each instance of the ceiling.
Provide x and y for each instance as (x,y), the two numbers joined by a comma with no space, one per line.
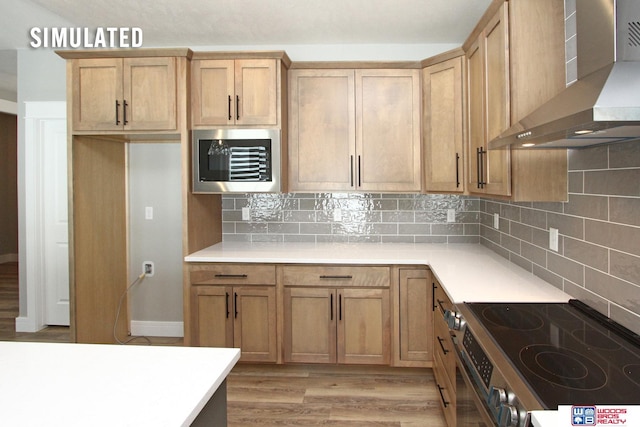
(193,23)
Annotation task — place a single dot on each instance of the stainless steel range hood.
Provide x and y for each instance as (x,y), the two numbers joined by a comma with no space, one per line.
(603,105)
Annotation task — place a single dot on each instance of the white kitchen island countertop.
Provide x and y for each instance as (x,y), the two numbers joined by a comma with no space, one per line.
(60,384)
(468,272)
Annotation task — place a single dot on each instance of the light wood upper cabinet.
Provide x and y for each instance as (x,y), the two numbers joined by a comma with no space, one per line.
(537,54)
(124,94)
(488,100)
(234,92)
(354,130)
(443,131)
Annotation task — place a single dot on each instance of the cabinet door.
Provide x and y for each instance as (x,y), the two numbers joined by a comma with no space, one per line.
(322,130)
(415,297)
(443,131)
(364,331)
(96,88)
(388,130)
(149,86)
(310,325)
(495,42)
(256,92)
(212,92)
(488,83)
(254,328)
(475,98)
(212,317)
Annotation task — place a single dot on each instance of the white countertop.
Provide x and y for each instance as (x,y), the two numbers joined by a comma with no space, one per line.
(59,384)
(468,272)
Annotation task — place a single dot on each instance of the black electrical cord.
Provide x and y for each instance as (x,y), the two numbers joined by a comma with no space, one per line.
(115,323)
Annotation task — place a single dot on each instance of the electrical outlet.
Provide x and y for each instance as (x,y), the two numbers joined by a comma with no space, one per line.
(148,212)
(553,239)
(496,221)
(451,215)
(337,214)
(246,215)
(148,268)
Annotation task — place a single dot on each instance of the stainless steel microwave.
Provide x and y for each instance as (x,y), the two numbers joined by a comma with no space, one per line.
(236,161)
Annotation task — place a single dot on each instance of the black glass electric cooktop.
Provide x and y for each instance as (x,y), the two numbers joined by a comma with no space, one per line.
(564,354)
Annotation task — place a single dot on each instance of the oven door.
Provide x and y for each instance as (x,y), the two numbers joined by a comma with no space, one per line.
(470,409)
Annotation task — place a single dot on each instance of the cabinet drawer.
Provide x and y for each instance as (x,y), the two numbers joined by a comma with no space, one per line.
(444,347)
(446,392)
(442,301)
(232,274)
(339,276)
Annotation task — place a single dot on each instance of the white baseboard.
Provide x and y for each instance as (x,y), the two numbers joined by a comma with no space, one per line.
(8,258)
(157,329)
(25,324)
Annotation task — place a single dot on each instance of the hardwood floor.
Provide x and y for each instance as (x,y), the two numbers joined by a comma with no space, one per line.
(291,395)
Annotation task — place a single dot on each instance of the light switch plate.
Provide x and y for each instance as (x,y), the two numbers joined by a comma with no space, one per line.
(553,239)
(246,216)
(451,215)
(148,212)
(337,214)
(496,221)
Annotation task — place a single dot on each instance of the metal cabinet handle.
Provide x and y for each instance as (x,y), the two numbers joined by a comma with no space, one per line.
(345,277)
(478,170)
(444,402)
(433,296)
(444,350)
(237,107)
(440,305)
(331,307)
(124,112)
(482,181)
(359,172)
(117,112)
(457,170)
(351,173)
(231,276)
(235,305)
(229,108)
(340,307)
(227,303)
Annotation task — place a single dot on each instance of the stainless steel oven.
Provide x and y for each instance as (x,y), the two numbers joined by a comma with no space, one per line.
(516,358)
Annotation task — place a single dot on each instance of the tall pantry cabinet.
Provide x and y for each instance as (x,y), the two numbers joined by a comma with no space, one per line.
(115,97)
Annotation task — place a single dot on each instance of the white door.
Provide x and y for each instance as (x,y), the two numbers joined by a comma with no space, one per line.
(56,235)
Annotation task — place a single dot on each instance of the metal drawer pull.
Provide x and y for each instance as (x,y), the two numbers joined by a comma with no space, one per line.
(231,276)
(124,112)
(444,402)
(441,306)
(346,277)
(117,112)
(444,350)
(235,305)
(227,303)
(457,170)
(331,307)
(229,108)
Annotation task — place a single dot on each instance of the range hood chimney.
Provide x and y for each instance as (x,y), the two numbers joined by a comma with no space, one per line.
(603,104)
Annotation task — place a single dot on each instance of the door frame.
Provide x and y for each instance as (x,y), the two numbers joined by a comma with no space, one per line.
(32,295)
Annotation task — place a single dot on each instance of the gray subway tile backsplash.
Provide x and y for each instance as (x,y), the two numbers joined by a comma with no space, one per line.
(598,258)
(363,217)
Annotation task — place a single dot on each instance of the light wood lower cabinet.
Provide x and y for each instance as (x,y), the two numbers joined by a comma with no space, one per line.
(337,314)
(348,326)
(235,306)
(414,318)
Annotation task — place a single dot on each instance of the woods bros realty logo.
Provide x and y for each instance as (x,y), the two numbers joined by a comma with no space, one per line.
(601,415)
(101,37)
